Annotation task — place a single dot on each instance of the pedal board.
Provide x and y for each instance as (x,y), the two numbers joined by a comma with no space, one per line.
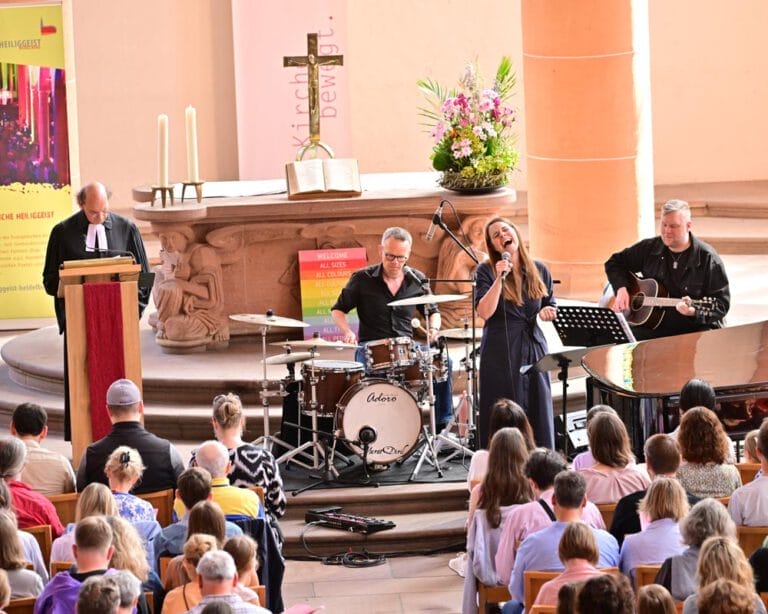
(333,518)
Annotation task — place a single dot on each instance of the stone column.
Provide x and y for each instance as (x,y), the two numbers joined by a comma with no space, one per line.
(589,139)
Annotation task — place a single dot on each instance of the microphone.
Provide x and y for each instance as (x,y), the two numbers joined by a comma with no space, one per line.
(116,253)
(436,219)
(412,274)
(506,258)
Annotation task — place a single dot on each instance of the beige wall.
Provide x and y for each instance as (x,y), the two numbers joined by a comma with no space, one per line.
(135,60)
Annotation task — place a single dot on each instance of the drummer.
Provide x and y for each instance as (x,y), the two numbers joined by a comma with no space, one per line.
(371,288)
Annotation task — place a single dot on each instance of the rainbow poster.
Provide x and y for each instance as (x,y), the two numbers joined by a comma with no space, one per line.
(323,274)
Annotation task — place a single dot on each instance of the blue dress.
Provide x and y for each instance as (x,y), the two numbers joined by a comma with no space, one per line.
(512,339)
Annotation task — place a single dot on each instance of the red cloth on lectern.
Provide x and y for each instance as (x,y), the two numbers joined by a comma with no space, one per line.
(104,345)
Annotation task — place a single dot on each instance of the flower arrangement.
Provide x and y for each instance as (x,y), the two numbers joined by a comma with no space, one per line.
(474,145)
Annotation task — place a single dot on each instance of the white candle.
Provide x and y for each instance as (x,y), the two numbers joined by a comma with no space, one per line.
(162,151)
(193,172)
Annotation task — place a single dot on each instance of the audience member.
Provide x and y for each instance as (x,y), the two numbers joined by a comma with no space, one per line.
(698,393)
(124,469)
(566,597)
(542,467)
(250,465)
(130,554)
(578,553)
(5,590)
(98,595)
(93,549)
(245,552)
(749,504)
(130,590)
(662,459)
(708,518)
(614,473)
(194,486)
(46,471)
(29,544)
(539,550)
(722,558)
(655,599)
(24,582)
(607,594)
(726,597)
(585,459)
(705,471)
(162,460)
(664,505)
(213,456)
(31,508)
(217,579)
(95,500)
(186,596)
(750,448)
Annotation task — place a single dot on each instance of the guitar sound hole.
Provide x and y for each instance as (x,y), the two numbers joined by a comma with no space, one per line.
(637,301)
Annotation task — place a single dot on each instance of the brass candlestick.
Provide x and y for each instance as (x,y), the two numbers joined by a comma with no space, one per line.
(198,185)
(165,191)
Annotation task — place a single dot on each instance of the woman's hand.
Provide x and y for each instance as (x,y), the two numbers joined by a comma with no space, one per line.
(547,314)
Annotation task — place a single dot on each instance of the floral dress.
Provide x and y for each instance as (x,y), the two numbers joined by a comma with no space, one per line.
(134,509)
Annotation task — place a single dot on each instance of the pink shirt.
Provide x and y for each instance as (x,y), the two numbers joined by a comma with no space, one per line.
(610,485)
(576,570)
(529,518)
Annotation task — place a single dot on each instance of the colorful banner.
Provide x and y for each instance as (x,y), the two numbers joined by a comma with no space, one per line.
(323,274)
(34,154)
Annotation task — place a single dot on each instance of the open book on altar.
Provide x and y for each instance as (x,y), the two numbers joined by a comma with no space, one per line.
(318,178)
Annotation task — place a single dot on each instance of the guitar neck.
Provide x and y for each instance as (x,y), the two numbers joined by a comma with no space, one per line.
(655,301)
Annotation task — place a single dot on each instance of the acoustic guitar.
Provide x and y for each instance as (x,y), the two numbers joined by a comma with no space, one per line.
(647,300)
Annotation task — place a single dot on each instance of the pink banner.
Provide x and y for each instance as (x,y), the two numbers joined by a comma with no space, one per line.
(272,109)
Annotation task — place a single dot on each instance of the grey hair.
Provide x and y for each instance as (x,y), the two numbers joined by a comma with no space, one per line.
(396,232)
(213,456)
(129,585)
(677,205)
(13,454)
(217,565)
(706,519)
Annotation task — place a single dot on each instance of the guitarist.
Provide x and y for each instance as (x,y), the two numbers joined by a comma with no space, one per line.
(687,267)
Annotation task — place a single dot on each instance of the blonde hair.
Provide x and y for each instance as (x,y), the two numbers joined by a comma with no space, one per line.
(750,447)
(244,552)
(5,589)
(130,553)
(722,557)
(655,599)
(125,464)
(11,551)
(197,545)
(95,500)
(665,498)
(228,411)
(578,542)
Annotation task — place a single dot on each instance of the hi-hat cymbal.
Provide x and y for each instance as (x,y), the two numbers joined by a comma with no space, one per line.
(267,319)
(316,342)
(461,333)
(287,359)
(427,299)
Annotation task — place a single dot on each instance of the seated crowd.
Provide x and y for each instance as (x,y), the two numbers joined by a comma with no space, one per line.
(113,557)
(675,517)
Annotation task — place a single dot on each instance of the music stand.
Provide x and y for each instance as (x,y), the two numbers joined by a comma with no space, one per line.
(580,326)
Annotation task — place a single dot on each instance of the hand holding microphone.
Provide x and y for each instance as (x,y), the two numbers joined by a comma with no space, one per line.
(506,258)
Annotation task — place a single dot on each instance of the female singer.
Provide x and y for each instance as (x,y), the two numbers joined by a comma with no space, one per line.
(512,289)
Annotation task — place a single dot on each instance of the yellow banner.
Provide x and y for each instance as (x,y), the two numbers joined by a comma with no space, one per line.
(32,35)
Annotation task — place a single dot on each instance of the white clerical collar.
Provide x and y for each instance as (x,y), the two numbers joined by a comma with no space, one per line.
(96,237)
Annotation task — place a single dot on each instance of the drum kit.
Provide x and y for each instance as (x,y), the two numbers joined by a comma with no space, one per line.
(375,407)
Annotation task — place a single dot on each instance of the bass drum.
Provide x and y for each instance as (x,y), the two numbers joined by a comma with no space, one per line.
(389,409)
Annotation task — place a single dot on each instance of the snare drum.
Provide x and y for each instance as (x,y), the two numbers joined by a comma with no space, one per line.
(393,353)
(332,378)
(389,409)
(416,377)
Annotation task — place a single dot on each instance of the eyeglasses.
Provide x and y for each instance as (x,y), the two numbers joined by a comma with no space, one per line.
(393,258)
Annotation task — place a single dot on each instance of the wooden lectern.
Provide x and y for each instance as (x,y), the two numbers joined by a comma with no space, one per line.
(72,276)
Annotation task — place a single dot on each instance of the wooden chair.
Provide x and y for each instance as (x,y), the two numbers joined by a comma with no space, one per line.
(150,598)
(59,566)
(259,490)
(723,500)
(751,538)
(261,591)
(543,609)
(42,533)
(487,594)
(607,510)
(645,574)
(65,505)
(20,606)
(163,566)
(748,471)
(764,599)
(532,583)
(162,500)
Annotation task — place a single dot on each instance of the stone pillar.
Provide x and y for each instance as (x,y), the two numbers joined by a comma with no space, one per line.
(589,139)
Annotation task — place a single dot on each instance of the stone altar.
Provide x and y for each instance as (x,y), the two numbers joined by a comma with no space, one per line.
(255,239)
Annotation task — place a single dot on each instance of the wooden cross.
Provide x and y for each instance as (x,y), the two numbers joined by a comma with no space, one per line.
(313,61)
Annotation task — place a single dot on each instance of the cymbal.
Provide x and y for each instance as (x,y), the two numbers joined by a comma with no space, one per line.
(316,342)
(427,299)
(461,333)
(287,359)
(267,319)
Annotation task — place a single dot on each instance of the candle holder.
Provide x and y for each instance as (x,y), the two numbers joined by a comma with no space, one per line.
(198,185)
(165,192)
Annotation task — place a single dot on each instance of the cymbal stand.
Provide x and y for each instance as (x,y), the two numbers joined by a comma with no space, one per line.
(428,431)
(469,368)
